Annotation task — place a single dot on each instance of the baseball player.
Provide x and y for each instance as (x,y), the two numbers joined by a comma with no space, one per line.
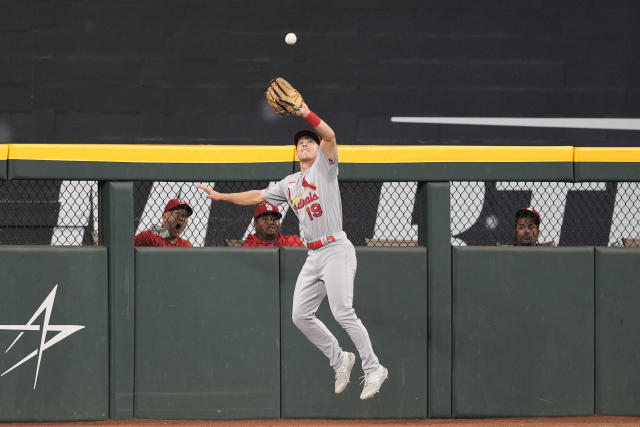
(330,268)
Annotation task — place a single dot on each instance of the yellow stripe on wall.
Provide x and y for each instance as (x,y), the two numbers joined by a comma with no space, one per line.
(607,154)
(452,153)
(267,154)
(4,151)
(153,153)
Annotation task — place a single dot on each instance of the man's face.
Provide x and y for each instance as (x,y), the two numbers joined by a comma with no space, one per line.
(175,221)
(307,148)
(267,226)
(526,232)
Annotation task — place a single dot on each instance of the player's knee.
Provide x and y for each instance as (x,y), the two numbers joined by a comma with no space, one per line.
(300,318)
(343,314)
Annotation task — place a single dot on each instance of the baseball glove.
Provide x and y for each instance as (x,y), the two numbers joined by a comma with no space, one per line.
(283,98)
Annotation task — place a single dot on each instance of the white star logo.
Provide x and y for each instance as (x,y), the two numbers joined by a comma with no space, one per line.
(63,332)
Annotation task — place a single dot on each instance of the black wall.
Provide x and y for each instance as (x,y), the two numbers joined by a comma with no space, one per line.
(194,71)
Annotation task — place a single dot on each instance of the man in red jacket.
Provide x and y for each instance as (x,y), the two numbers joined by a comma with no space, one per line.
(174,221)
(266,220)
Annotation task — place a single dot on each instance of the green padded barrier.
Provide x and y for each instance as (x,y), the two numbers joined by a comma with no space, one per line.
(458,171)
(609,171)
(207,333)
(49,169)
(120,162)
(390,297)
(607,163)
(358,163)
(523,332)
(4,152)
(118,171)
(455,163)
(73,374)
(617,326)
(438,238)
(116,231)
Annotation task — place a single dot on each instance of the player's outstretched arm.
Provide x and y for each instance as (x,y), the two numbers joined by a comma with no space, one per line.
(328,144)
(245,198)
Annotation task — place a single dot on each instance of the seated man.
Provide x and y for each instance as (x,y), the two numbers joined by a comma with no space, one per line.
(527,227)
(174,221)
(267,223)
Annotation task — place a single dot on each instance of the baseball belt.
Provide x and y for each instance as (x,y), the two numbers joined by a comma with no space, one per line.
(322,242)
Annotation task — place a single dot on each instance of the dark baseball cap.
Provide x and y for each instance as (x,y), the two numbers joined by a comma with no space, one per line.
(177,203)
(267,209)
(520,213)
(305,132)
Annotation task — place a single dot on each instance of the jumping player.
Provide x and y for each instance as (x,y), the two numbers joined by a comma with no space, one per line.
(330,268)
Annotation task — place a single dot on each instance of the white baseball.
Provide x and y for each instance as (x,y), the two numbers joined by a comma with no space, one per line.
(290,39)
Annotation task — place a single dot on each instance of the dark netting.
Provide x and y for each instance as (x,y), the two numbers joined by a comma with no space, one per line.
(374,214)
(48,212)
(573,214)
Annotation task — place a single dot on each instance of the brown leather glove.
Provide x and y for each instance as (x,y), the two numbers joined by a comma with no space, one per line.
(283,98)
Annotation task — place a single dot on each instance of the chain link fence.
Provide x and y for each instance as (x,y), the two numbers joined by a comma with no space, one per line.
(48,212)
(573,214)
(374,214)
(65,213)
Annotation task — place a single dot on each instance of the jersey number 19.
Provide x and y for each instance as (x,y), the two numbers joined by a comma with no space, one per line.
(314,211)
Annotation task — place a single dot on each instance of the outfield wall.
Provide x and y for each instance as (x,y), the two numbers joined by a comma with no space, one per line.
(206,332)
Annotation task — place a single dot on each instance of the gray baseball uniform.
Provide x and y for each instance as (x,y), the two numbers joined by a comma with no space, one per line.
(331,262)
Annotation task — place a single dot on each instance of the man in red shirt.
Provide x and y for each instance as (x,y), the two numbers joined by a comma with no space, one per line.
(266,220)
(174,221)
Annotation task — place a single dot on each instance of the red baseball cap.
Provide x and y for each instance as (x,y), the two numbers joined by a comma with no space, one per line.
(267,208)
(176,203)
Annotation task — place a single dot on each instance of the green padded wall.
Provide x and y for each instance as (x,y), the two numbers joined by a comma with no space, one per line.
(523,331)
(118,171)
(390,297)
(457,171)
(4,153)
(432,171)
(438,239)
(607,171)
(72,380)
(207,333)
(617,326)
(116,229)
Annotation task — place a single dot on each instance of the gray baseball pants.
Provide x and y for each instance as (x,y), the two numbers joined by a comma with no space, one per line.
(329,271)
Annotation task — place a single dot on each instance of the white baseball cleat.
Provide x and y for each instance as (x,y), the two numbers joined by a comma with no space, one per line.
(373,382)
(343,371)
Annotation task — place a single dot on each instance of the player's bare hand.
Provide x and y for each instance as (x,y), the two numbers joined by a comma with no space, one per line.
(211,193)
(303,111)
